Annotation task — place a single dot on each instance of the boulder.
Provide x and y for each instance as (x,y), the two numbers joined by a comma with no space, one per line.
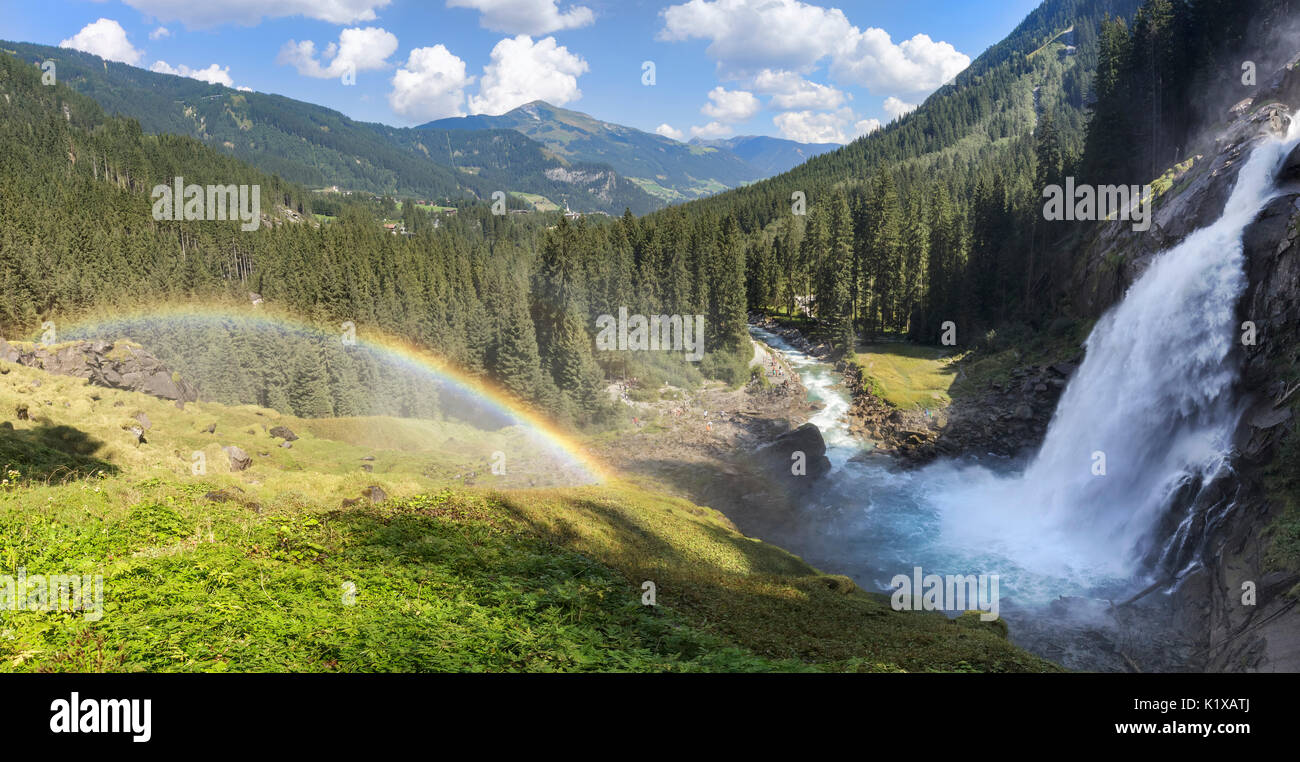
(115,365)
(374,494)
(780,453)
(144,421)
(239,460)
(283,432)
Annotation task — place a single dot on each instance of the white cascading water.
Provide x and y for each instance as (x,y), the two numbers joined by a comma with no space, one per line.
(1153,395)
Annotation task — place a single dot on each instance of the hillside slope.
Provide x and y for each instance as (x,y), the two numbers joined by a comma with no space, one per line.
(297,564)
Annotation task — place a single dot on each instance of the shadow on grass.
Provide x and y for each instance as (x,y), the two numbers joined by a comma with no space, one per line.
(51,454)
(757,595)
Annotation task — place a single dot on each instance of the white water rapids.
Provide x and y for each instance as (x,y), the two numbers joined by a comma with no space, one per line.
(1154,394)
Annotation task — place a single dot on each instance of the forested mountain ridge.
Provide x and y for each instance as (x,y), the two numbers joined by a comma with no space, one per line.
(669,169)
(318,147)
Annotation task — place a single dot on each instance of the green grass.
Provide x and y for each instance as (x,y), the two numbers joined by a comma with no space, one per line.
(540,203)
(907,376)
(657,190)
(998,353)
(268,570)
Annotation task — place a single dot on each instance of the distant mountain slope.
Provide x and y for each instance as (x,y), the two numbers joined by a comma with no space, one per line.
(669,169)
(316,146)
(770,156)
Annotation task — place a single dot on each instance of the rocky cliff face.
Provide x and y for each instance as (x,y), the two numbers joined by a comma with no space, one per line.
(115,365)
(1264,635)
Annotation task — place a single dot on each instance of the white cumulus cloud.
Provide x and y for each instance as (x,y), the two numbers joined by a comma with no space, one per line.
(747,36)
(430,85)
(251,12)
(357,50)
(521,71)
(105,38)
(668,131)
(865,127)
(730,105)
(712,130)
(160,33)
(213,74)
(840,126)
(896,108)
(532,17)
(791,92)
(917,65)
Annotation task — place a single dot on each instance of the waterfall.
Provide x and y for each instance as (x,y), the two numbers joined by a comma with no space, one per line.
(1149,414)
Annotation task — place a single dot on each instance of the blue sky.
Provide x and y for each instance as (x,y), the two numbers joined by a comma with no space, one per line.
(809,71)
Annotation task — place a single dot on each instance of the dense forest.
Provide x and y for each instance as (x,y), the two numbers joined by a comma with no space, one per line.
(508,297)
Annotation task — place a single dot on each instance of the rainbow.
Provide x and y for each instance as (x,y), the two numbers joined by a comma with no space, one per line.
(391,348)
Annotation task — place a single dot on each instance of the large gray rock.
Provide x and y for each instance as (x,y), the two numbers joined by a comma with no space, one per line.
(115,365)
(284,432)
(804,444)
(239,460)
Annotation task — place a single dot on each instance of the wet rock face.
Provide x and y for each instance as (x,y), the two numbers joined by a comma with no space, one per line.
(115,365)
(1116,255)
(1264,635)
(1290,171)
(1272,298)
